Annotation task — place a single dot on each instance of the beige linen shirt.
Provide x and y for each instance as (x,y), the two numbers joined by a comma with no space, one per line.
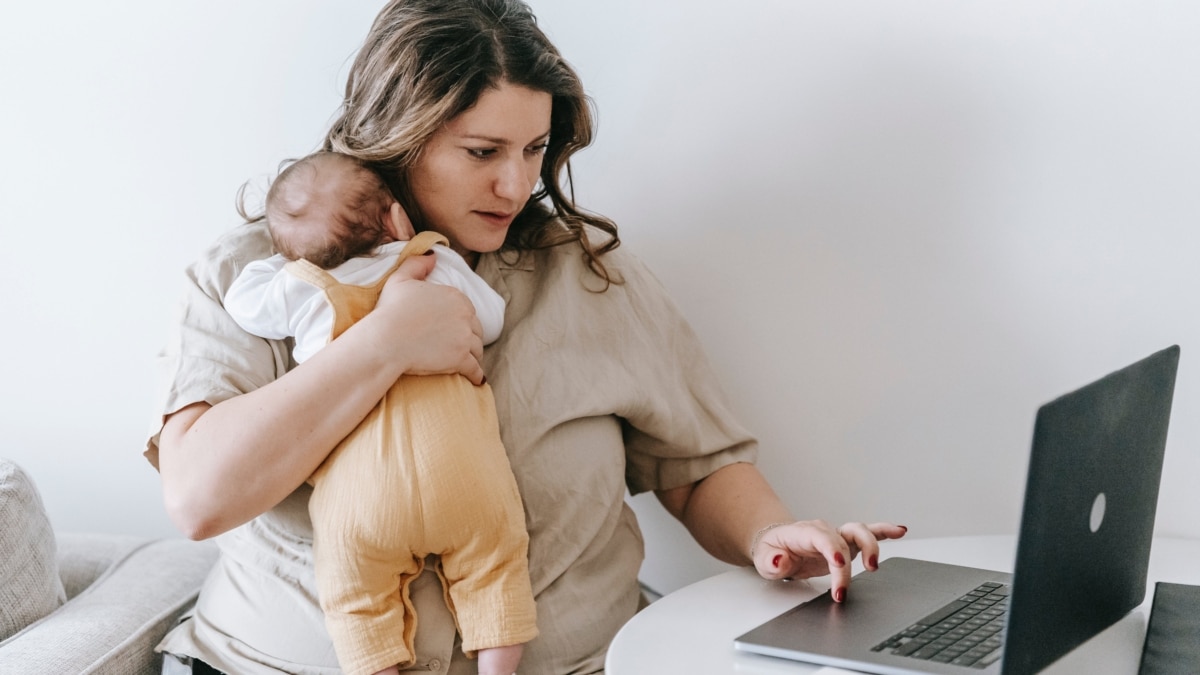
(596,393)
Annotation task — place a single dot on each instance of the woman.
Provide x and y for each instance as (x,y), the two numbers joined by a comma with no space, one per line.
(600,384)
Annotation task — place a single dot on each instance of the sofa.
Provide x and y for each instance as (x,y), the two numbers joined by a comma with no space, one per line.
(86,602)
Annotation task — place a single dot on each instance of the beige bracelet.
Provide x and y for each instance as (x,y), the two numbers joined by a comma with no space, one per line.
(759,535)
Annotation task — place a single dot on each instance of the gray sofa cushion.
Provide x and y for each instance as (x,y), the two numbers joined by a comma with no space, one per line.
(138,590)
(100,605)
(30,587)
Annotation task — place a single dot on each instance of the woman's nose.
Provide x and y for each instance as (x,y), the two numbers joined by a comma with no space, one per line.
(513,182)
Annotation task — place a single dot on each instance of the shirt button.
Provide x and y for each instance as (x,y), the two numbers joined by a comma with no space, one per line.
(435,664)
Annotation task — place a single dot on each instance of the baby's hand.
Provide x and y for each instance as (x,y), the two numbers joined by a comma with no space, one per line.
(402,227)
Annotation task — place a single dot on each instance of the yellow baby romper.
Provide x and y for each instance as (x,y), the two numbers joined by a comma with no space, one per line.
(424,473)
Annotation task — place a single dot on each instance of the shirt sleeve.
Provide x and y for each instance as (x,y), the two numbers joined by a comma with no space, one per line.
(208,357)
(679,426)
(258,299)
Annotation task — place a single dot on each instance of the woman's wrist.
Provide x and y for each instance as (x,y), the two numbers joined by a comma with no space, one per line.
(762,531)
(376,339)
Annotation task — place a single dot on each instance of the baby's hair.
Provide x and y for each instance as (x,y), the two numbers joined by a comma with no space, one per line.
(326,208)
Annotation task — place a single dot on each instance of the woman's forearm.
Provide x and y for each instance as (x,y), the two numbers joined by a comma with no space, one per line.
(725,509)
(225,464)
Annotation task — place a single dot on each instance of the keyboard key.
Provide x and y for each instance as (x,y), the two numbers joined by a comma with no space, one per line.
(943,613)
(911,646)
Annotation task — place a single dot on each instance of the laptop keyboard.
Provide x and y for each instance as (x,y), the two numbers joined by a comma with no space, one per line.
(967,632)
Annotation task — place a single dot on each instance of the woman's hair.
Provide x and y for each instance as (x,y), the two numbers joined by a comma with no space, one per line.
(426,61)
(327,226)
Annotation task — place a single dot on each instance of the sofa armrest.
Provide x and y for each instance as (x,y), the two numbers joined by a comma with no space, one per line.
(113,625)
(85,557)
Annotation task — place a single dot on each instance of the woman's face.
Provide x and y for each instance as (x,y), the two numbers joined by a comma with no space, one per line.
(476,173)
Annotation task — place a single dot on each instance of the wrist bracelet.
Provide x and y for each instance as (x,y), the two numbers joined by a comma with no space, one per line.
(759,535)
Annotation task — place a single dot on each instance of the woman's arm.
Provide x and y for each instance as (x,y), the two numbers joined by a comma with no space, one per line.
(736,516)
(223,465)
(723,510)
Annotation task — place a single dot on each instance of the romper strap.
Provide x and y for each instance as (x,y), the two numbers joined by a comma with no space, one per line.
(307,271)
(421,243)
(418,245)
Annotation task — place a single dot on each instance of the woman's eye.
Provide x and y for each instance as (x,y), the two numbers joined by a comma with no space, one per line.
(536,149)
(481,153)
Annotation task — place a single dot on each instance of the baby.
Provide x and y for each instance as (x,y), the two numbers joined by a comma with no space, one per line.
(425,472)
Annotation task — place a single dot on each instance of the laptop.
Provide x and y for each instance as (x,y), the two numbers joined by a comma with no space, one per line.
(1082,553)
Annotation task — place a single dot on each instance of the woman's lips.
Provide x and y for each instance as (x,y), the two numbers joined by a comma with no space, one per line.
(497,219)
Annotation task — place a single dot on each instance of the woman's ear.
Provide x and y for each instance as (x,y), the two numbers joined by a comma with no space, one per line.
(402,227)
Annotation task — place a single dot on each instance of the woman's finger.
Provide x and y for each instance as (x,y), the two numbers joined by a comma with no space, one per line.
(838,555)
(861,539)
(414,267)
(887,530)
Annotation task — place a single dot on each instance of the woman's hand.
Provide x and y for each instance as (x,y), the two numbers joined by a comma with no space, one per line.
(721,510)
(813,548)
(434,326)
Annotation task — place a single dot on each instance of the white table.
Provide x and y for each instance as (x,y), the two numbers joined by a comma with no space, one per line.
(692,630)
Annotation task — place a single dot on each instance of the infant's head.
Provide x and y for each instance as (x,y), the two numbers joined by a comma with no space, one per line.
(329,207)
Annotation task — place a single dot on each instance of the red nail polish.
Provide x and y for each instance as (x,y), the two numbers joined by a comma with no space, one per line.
(837,558)
(483,381)
(775,561)
(839,595)
(873,563)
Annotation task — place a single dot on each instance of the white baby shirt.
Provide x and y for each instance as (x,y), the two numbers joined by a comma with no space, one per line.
(268,301)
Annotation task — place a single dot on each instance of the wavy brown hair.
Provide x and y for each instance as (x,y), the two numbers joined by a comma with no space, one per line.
(426,61)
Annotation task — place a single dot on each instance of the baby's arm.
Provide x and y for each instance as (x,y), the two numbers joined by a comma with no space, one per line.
(257,299)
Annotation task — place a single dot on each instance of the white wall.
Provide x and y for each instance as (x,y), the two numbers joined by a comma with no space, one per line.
(898,227)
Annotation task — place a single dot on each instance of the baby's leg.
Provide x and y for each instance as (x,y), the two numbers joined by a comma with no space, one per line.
(500,660)
(487,576)
(363,566)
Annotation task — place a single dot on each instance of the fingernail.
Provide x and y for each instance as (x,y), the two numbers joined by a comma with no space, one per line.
(837,558)
(903,527)
(839,595)
(429,252)
(483,381)
(873,562)
(775,561)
